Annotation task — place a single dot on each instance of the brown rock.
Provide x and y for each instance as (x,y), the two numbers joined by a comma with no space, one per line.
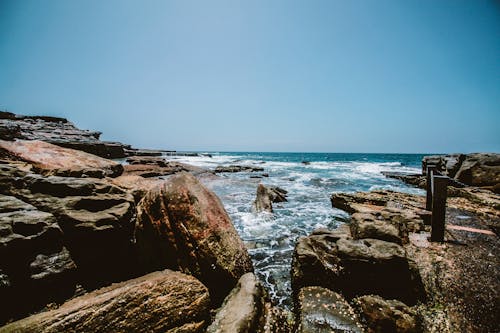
(158,302)
(480,170)
(183,225)
(50,159)
(383,316)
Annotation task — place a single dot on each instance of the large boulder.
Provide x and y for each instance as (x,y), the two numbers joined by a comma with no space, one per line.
(182,225)
(50,159)
(383,315)
(446,164)
(158,302)
(320,310)
(354,267)
(480,170)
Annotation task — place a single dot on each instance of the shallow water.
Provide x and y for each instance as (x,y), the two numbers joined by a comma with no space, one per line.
(271,238)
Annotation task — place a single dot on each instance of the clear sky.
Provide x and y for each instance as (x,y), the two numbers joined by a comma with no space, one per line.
(268,75)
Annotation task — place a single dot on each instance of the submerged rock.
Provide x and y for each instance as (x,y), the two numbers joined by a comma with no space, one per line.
(320,310)
(164,301)
(183,225)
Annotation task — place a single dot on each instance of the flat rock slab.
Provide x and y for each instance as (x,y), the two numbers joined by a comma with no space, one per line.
(50,159)
(164,301)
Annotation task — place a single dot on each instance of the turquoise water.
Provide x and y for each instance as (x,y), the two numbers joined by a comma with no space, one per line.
(270,238)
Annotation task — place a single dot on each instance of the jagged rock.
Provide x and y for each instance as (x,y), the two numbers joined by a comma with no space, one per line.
(183,225)
(245,310)
(321,310)
(158,302)
(480,170)
(417,180)
(50,159)
(383,315)
(354,267)
(96,219)
(237,168)
(34,263)
(266,196)
(448,165)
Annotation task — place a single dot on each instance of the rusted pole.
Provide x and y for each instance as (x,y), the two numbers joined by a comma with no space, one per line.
(440,184)
(431,169)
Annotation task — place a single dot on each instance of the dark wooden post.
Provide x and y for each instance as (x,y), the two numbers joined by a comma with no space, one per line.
(439,184)
(431,169)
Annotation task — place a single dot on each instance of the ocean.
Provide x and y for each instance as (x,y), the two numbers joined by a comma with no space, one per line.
(310,179)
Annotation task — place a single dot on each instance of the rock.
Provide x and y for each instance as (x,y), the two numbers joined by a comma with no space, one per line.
(448,165)
(322,310)
(266,196)
(96,219)
(34,263)
(263,202)
(237,168)
(383,315)
(408,178)
(143,152)
(246,310)
(182,225)
(366,225)
(242,308)
(58,131)
(480,170)
(158,302)
(50,159)
(354,267)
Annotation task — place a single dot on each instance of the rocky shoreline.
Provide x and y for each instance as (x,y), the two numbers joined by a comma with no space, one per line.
(88,244)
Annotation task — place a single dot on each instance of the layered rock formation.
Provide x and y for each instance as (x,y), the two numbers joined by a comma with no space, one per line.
(61,132)
(266,196)
(60,233)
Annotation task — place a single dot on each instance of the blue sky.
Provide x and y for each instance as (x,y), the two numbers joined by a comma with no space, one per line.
(329,76)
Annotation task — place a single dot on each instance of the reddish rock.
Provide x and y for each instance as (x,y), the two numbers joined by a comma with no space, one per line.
(50,159)
(182,225)
(158,302)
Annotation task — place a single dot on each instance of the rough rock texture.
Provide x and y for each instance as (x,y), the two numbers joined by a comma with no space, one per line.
(34,263)
(460,276)
(354,267)
(50,159)
(417,180)
(246,310)
(182,225)
(321,310)
(148,167)
(95,217)
(479,169)
(381,315)
(266,196)
(58,131)
(237,168)
(158,302)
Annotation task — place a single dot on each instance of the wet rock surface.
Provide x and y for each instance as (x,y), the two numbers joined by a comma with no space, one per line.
(164,301)
(266,196)
(238,168)
(321,310)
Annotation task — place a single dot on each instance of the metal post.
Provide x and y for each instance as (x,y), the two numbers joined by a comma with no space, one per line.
(440,184)
(431,169)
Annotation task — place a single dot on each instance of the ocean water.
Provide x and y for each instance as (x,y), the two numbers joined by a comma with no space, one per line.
(270,238)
